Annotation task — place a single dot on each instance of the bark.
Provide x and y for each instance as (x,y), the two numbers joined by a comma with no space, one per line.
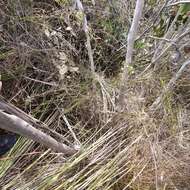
(16,125)
(130,47)
(15,120)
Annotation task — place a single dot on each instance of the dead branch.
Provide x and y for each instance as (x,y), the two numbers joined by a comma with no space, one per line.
(17,125)
(86,30)
(159,50)
(169,86)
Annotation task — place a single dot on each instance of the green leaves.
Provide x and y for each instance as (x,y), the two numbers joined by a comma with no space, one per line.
(184,9)
(165,21)
(159,30)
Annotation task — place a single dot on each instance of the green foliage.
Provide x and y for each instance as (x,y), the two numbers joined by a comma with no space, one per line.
(63,2)
(167,19)
(151,2)
(159,30)
(140,44)
(79,16)
(184,9)
(130,69)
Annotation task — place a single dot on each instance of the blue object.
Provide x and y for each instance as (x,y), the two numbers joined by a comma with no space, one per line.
(7,141)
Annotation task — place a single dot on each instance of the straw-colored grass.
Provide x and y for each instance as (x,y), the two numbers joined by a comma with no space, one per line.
(45,72)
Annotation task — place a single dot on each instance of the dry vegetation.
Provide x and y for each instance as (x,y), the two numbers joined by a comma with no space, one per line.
(46,71)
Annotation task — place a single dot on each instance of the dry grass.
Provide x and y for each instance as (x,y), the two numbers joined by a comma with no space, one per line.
(45,71)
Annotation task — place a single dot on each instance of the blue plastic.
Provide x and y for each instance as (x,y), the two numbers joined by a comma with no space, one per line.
(7,141)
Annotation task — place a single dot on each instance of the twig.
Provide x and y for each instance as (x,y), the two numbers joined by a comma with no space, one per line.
(177,54)
(174,41)
(169,86)
(17,125)
(43,82)
(154,20)
(70,129)
(177,3)
(130,46)
(159,51)
(164,39)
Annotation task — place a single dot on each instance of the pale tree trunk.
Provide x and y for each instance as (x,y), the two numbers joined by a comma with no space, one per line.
(130,47)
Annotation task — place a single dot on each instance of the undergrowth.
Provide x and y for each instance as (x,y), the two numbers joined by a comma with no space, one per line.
(44,69)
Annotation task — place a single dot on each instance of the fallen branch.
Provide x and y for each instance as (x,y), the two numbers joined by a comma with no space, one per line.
(15,120)
(17,125)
